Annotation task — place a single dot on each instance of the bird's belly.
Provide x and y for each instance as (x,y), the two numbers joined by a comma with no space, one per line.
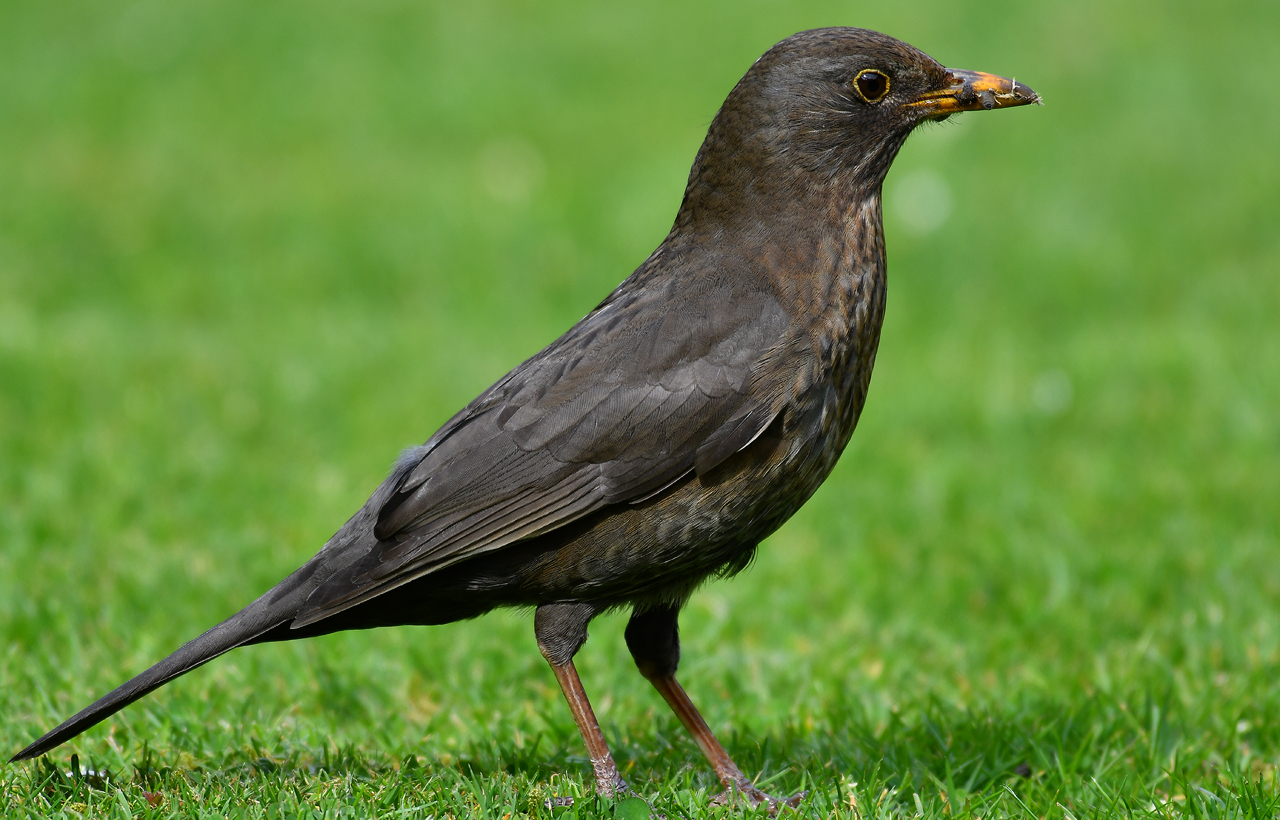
(662,548)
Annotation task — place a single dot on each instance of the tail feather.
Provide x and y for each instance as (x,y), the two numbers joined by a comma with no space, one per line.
(267,619)
(241,628)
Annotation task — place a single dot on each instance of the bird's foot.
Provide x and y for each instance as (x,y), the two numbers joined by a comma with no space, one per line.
(621,798)
(755,797)
(609,786)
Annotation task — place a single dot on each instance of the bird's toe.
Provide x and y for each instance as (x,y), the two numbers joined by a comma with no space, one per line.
(754,797)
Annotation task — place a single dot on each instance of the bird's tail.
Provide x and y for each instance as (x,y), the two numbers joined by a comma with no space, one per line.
(270,618)
(272,610)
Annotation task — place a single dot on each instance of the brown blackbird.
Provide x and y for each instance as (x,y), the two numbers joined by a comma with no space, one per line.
(655,443)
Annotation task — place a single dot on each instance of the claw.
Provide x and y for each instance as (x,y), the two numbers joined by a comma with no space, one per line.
(623,794)
(755,797)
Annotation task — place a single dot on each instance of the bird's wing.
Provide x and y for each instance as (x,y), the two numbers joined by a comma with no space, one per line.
(627,402)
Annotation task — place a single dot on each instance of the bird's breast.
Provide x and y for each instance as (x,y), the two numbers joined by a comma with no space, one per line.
(841,328)
(831,354)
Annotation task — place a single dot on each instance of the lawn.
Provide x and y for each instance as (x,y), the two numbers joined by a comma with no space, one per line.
(249,252)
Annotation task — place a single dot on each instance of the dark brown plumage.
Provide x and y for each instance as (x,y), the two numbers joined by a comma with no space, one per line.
(662,437)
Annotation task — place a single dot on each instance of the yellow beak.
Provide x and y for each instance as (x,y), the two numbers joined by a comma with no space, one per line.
(975,91)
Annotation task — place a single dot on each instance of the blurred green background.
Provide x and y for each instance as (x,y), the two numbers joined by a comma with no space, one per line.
(250,251)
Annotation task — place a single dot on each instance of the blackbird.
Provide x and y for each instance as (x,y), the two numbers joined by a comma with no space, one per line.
(684,419)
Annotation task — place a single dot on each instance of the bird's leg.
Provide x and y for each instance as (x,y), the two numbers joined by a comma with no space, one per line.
(653,637)
(561,629)
(609,782)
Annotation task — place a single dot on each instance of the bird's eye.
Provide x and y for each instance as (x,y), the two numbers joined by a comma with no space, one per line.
(871,85)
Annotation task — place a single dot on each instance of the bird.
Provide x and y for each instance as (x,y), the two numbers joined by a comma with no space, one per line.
(656,443)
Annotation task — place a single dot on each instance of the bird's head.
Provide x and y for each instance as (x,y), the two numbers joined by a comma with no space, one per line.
(823,113)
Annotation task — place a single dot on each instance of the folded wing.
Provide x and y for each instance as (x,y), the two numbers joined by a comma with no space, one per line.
(612,412)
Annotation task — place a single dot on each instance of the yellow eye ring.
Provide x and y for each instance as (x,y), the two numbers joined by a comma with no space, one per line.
(872,85)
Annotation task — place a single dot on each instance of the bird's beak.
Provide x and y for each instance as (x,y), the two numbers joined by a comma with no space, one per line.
(974,91)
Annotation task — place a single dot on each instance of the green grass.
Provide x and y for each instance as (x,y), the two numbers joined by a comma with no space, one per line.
(248,252)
